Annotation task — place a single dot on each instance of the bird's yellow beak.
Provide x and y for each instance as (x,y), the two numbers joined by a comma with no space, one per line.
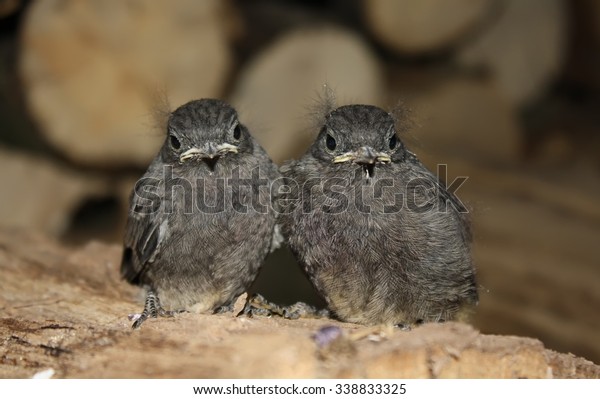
(210,150)
(364,155)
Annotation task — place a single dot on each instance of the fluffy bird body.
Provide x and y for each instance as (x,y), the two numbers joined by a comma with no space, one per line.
(200,223)
(379,237)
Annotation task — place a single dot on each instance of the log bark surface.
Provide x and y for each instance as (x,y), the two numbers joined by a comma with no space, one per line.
(66,310)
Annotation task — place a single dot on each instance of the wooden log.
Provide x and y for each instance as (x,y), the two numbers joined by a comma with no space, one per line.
(416,27)
(66,310)
(39,195)
(467,119)
(279,90)
(523,49)
(91,70)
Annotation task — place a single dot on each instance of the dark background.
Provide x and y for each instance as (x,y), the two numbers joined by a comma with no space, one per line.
(505,92)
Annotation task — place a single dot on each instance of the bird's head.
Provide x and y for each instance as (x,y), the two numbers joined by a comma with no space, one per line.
(358,136)
(205,132)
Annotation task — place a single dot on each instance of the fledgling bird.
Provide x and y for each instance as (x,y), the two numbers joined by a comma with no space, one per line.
(380,238)
(200,220)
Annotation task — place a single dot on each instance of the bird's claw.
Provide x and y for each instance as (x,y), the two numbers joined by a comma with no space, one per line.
(134,316)
(152,309)
(258,305)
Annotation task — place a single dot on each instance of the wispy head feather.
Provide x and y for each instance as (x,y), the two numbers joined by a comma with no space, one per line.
(160,109)
(322,104)
(404,117)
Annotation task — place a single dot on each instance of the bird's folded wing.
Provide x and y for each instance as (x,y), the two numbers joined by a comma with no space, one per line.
(147,227)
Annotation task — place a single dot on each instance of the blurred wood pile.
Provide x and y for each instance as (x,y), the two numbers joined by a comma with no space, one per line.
(92,69)
(503,91)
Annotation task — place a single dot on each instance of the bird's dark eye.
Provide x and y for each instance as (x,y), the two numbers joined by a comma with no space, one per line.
(237,132)
(330,142)
(174,142)
(393,142)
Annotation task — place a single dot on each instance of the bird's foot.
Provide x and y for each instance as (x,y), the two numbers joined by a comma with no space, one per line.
(303,310)
(403,326)
(258,305)
(407,326)
(224,309)
(152,309)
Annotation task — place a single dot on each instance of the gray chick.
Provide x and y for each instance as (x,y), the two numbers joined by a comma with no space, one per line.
(200,220)
(377,234)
